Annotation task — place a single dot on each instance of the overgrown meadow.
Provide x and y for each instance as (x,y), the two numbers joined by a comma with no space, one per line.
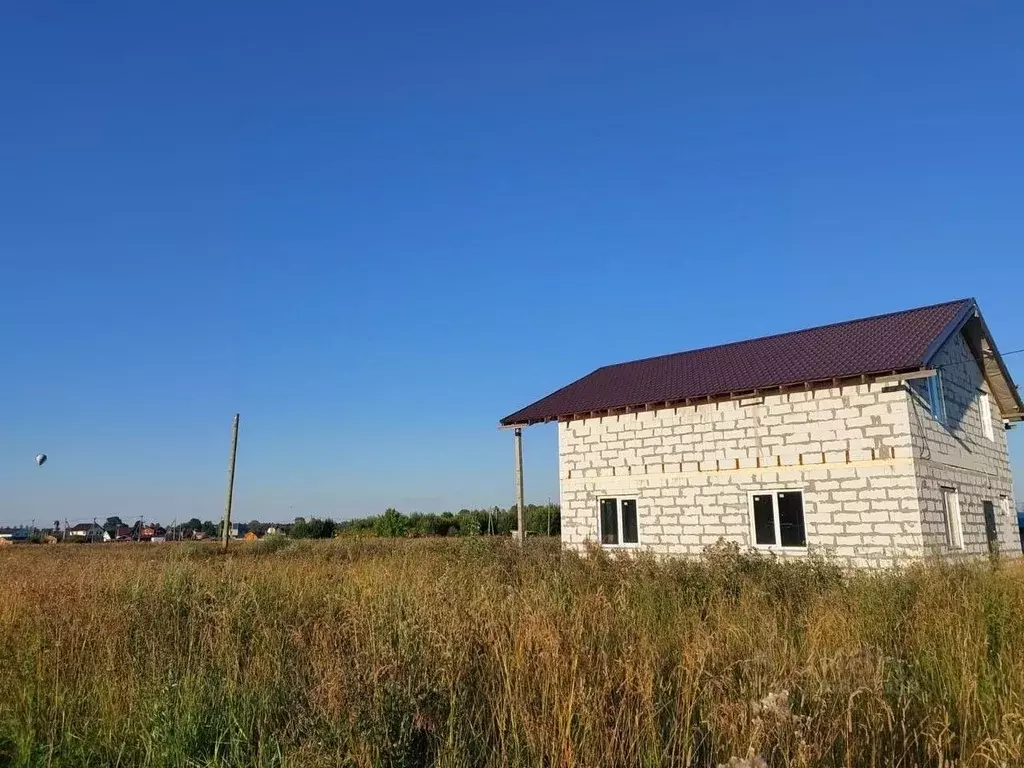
(473,653)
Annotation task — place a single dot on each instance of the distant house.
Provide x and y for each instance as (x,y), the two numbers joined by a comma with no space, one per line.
(152,531)
(872,439)
(123,533)
(87,532)
(13,535)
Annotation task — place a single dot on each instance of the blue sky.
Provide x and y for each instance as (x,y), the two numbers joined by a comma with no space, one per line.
(376,228)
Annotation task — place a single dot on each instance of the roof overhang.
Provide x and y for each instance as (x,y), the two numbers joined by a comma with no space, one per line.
(1001,386)
(880,377)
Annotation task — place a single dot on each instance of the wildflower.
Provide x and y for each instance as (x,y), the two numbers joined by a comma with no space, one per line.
(774,705)
(752,760)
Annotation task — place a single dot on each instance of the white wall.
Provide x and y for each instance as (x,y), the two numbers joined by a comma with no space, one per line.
(692,468)
(959,455)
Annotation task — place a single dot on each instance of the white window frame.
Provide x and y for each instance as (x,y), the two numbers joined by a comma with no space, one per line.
(954,517)
(938,408)
(618,516)
(986,416)
(1007,504)
(775,515)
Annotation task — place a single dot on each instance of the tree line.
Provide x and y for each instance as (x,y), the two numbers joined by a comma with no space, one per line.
(540,519)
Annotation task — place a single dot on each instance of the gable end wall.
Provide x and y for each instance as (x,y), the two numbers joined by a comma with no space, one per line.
(959,455)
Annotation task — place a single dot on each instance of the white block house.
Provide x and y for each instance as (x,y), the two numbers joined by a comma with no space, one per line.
(875,440)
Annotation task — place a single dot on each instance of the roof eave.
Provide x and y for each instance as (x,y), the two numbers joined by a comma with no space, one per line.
(511,422)
(993,367)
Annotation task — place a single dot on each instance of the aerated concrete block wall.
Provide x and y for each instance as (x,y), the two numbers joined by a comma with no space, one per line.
(869,459)
(691,470)
(959,454)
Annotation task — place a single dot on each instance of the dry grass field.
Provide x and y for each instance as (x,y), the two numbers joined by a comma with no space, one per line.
(471,653)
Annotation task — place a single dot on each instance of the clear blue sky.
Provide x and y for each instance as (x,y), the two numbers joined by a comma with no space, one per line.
(375,228)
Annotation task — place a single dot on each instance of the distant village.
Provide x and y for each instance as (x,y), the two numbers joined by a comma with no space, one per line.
(539,519)
(115,530)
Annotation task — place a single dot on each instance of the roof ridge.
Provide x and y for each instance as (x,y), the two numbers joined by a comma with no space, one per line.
(786,333)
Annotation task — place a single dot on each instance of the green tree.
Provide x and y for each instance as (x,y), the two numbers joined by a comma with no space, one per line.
(314,528)
(357,525)
(211,529)
(111,525)
(391,524)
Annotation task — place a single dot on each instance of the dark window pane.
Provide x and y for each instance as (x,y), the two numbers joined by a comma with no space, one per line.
(630,534)
(991,531)
(764,520)
(609,522)
(791,519)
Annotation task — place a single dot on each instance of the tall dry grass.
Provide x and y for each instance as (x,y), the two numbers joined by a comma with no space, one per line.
(470,653)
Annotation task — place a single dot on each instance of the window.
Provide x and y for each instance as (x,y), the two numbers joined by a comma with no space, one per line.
(954,524)
(991,527)
(777,519)
(986,416)
(935,397)
(619,515)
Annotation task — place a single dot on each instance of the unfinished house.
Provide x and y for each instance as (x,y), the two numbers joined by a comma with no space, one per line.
(875,440)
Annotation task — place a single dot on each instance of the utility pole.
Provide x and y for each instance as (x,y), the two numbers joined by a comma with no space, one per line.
(231,483)
(520,524)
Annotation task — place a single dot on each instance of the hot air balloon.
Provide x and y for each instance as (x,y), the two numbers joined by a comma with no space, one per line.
(41,459)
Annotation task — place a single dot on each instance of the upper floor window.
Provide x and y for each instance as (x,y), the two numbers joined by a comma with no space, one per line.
(935,397)
(986,416)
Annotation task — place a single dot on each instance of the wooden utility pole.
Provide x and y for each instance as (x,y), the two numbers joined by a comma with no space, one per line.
(520,524)
(231,483)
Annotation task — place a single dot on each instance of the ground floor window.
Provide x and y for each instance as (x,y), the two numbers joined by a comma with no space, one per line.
(954,522)
(619,523)
(777,518)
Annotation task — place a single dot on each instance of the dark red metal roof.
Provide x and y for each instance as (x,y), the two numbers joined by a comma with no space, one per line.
(900,341)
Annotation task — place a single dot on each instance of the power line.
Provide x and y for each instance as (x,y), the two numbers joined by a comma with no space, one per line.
(1013,352)
(973,361)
